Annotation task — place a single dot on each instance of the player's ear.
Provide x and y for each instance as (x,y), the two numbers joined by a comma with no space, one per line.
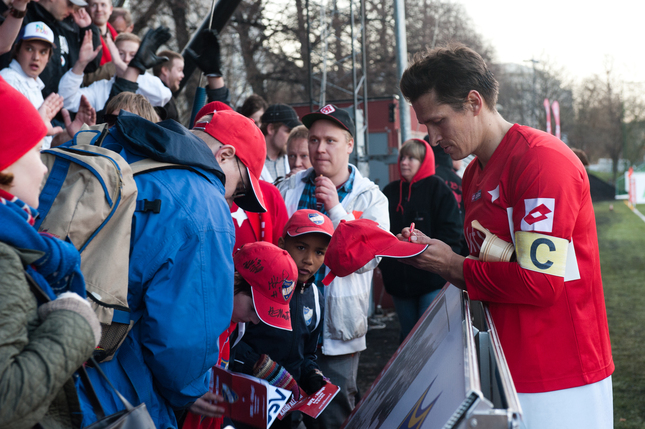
(281,242)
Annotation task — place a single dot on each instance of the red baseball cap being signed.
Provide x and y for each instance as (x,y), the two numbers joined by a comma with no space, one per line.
(355,243)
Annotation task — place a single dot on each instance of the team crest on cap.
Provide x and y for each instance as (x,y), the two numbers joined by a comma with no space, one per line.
(287,289)
(308,314)
(316,218)
(328,109)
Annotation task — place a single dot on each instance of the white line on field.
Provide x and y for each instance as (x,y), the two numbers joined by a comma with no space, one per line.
(636,212)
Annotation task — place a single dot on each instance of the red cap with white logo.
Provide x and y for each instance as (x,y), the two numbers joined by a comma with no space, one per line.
(306,221)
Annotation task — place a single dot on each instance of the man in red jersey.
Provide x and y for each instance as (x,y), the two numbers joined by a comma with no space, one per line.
(529,189)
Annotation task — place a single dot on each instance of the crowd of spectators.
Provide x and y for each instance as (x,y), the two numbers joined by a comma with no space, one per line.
(228,238)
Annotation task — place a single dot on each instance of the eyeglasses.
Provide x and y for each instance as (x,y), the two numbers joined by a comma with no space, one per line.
(239,193)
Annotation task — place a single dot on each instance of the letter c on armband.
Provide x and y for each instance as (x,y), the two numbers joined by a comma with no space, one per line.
(542,253)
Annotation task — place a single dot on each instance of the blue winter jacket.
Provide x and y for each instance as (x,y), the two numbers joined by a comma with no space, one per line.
(180,277)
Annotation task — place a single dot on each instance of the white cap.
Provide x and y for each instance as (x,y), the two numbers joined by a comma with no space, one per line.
(37,31)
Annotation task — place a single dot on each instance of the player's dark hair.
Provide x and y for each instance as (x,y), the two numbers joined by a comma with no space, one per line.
(451,72)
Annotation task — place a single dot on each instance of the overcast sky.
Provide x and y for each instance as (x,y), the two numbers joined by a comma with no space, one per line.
(576,35)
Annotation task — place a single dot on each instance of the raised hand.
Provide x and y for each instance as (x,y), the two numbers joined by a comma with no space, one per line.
(208,57)
(48,111)
(119,64)
(146,56)
(85,115)
(86,54)
(81,17)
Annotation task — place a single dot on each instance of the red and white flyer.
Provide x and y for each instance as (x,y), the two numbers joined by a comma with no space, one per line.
(248,399)
(313,404)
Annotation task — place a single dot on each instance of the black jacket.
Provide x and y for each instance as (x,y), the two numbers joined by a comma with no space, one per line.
(427,202)
(67,39)
(433,210)
(444,169)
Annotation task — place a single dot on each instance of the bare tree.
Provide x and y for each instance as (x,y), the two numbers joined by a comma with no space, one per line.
(600,119)
(519,101)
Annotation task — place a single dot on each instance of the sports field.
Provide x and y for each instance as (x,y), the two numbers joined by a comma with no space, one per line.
(621,236)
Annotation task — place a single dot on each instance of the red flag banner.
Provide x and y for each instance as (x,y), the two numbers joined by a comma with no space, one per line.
(556,117)
(547,107)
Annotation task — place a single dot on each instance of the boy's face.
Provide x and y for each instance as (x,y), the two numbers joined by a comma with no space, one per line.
(172,77)
(127,50)
(308,251)
(33,57)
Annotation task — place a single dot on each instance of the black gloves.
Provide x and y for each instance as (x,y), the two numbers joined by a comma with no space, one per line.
(146,56)
(207,56)
(313,381)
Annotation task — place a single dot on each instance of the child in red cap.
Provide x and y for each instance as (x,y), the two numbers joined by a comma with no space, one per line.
(265,280)
(306,237)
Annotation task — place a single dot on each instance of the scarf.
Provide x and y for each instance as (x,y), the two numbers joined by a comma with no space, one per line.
(59,270)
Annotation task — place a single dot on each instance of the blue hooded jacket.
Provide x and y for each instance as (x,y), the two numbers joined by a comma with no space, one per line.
(180,275)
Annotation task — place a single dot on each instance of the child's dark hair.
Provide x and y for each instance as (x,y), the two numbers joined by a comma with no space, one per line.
(241,285)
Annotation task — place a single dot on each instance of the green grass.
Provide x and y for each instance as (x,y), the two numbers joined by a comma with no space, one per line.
(621,238)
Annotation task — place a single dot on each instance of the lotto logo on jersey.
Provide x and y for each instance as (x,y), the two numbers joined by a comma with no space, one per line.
(538,214)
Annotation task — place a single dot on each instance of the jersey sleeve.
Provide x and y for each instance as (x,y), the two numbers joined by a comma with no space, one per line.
(544,193)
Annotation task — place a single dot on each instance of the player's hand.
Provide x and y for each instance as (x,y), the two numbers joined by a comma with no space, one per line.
(207,405)
(326,192)
(437,258)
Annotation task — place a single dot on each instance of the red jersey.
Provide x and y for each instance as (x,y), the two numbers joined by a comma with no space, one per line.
(552,322)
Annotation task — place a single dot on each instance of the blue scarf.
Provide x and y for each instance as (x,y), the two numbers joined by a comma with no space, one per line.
(59,270)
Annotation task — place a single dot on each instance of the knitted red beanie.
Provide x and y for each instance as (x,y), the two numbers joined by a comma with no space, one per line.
(21,127)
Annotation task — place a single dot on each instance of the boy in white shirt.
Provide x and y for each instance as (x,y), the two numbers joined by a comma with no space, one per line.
(30,57)
(98,93)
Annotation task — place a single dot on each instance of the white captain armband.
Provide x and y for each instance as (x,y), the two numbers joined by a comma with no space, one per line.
(542,253)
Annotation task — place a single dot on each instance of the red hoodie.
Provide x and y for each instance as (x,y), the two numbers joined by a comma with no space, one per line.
(425,170)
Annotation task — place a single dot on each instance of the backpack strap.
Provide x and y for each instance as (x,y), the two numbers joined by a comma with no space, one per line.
(52,187)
